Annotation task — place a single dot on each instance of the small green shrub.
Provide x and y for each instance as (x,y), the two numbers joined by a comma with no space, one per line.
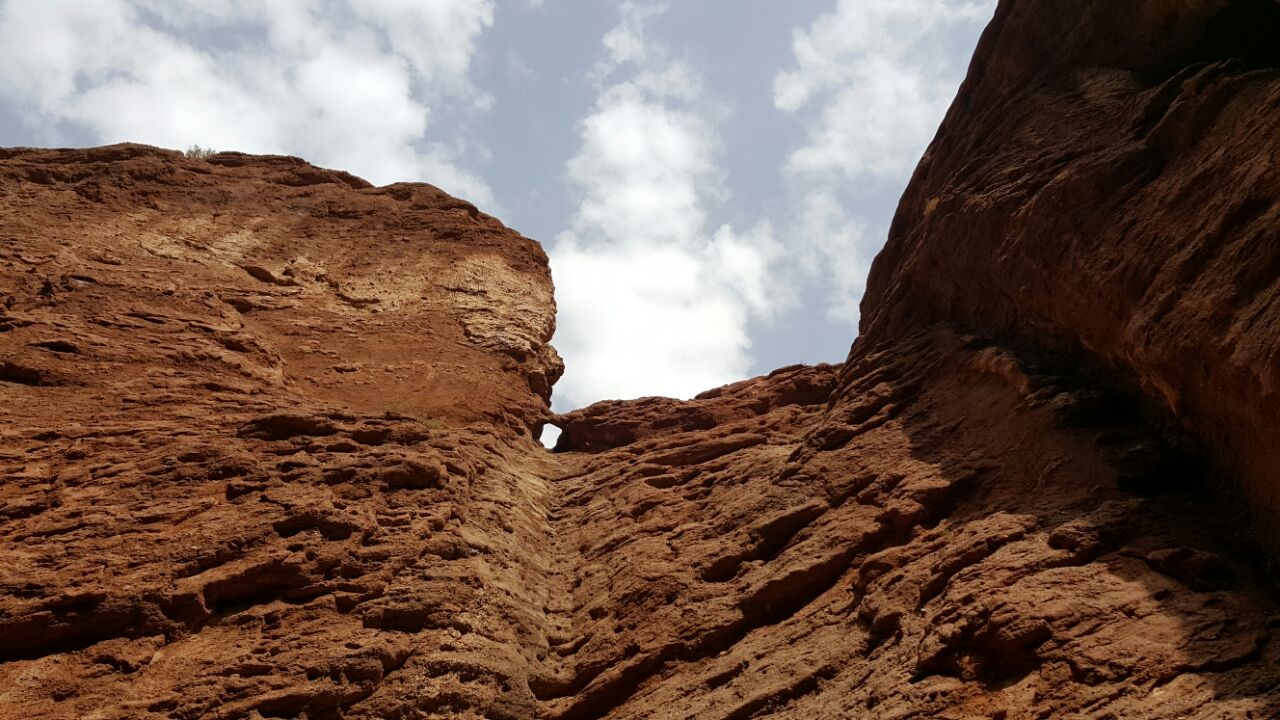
(195,152)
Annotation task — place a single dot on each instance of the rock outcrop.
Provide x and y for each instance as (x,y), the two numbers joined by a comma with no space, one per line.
(1116,200)
(268,441)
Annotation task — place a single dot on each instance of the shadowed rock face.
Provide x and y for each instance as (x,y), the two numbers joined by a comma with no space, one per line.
(1117,200)
(267,446)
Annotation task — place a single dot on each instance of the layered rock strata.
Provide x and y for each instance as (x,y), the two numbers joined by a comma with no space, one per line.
(268,434)
(267,442)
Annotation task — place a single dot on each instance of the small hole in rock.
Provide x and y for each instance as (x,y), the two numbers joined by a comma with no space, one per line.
(550,434)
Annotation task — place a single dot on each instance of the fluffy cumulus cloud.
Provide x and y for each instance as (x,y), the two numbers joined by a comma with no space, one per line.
(838,247)
(654,298)
(627,41)
(340,83)
(881,75)
(871,81)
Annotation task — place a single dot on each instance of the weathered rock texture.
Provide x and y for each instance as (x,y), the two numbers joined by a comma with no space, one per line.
(265,443)
(267,440)
(1108,184)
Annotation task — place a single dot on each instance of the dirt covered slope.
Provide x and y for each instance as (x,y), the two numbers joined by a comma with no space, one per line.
(267,441)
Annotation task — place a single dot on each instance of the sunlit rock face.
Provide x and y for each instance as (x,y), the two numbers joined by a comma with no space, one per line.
(266,441)
(269,434)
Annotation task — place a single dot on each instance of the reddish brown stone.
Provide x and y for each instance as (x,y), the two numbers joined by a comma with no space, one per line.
(267,452)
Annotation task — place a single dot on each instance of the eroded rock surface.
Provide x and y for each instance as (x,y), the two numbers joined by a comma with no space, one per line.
(1107,185)
(267,442)
(959,532)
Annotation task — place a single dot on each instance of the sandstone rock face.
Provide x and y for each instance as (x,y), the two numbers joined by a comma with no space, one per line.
(267,441)
(952,534)
(1107,185)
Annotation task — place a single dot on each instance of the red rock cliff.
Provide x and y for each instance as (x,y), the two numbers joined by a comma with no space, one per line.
(265,441)
(1107,184)
(267,444)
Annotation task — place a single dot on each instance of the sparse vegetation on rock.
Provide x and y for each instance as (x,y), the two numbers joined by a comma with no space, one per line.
(195,152)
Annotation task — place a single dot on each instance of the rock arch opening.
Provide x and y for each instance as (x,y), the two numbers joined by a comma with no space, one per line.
(549,435)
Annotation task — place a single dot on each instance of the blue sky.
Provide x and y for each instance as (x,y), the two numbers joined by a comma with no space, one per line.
(711,178)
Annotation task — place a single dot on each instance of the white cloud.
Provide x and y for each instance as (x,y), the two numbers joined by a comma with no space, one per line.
(881,75)
(518,68)
(675,80)
(871,82)
(653,301)
(627,41)
(639,168)
(644,321)
(838,247)
(878,125)
(658,294)
(749,263)
(437,37)
(342,87)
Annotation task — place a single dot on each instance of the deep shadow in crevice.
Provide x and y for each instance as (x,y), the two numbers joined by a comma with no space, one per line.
(1246,30)
(22,375)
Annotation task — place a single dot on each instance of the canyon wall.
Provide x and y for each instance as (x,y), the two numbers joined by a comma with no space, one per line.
(1106,185)
(268,441)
